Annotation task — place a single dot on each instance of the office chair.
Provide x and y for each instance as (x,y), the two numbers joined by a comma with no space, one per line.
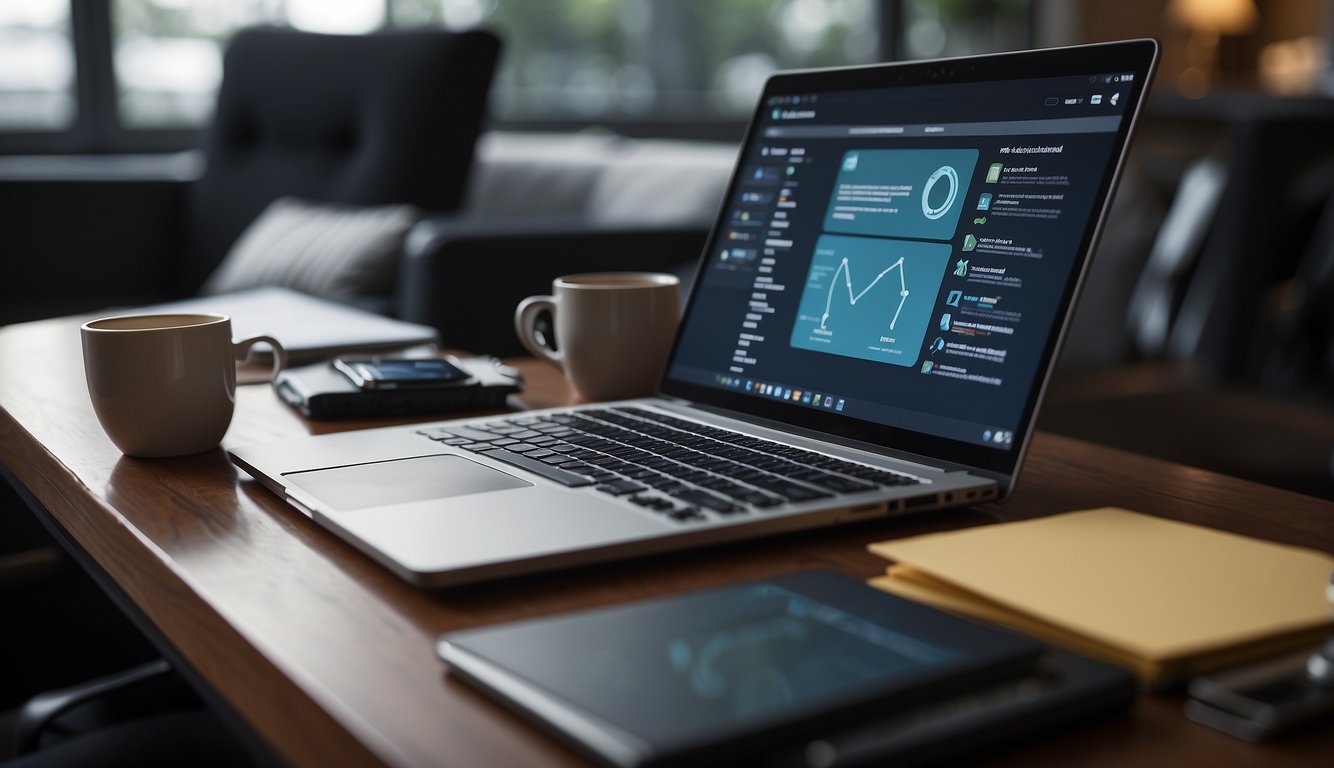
(143,716)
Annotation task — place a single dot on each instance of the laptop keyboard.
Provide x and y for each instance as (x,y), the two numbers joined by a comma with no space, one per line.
(679,468)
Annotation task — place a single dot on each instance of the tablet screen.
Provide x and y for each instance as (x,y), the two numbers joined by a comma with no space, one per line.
(735,655)
(689,671)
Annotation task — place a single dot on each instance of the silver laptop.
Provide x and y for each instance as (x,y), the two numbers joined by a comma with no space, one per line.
(869,333)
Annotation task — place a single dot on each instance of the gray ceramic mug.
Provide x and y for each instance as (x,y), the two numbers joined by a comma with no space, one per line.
(165,385)
(613,330)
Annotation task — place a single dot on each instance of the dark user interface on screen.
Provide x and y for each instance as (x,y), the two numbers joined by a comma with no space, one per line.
(900,256)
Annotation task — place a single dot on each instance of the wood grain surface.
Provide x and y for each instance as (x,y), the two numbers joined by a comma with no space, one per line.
(330,659)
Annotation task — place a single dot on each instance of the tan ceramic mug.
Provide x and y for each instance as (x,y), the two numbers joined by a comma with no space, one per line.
(165,385)
(613,330)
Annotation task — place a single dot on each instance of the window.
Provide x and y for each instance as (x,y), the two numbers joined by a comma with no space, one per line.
(36,66)
(141,75)
(652,59)
(168,53)
(935,28)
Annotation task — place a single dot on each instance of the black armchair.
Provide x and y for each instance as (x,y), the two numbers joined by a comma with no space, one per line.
(360,120)
(390,117)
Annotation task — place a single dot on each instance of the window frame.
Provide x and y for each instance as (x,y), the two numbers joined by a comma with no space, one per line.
(96,128)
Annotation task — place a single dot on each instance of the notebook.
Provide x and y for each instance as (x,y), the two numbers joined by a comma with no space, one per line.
(309,328)
(872,323)
(1167,599)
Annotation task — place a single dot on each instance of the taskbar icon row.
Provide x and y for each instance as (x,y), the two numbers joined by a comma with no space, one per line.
(793,395)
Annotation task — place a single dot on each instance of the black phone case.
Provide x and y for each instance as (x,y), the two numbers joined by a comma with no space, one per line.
(323,392)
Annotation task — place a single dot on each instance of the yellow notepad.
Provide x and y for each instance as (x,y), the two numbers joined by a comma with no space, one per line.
(1167,599)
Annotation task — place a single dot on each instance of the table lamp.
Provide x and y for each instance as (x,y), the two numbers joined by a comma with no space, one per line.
(1208,21)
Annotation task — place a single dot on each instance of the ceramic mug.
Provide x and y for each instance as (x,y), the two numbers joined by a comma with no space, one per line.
(165,385)
(613,330)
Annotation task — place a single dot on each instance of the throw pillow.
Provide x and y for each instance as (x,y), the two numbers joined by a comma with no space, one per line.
(326,250)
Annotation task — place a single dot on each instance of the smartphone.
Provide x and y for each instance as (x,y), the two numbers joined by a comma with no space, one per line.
(402,372)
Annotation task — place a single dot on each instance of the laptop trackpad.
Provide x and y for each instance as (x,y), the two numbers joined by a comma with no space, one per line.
(402,480)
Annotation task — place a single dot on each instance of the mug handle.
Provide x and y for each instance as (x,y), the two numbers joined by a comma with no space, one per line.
(241,350)
(525,317)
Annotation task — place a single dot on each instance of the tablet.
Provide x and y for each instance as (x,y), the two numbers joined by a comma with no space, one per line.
(712,675)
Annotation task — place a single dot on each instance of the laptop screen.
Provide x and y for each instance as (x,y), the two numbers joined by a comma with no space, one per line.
(900,244)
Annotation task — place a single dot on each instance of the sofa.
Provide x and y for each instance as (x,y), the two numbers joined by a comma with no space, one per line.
(535,206)
(539,206)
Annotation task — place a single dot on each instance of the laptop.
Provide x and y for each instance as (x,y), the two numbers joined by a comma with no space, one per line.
(869,333)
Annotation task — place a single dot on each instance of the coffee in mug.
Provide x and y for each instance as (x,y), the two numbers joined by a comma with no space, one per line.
(613,330)
(165,385)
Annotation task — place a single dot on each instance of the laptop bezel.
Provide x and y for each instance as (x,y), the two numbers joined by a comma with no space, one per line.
(1137,56)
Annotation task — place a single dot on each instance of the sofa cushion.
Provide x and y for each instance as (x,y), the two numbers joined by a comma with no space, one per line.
(538,174)
(663,182)
(324,250)
(598,178)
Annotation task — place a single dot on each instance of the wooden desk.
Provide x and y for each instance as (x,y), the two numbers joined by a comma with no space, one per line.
(329,658)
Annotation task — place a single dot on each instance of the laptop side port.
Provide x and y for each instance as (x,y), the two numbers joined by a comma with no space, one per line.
(920,501)
(866,510)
